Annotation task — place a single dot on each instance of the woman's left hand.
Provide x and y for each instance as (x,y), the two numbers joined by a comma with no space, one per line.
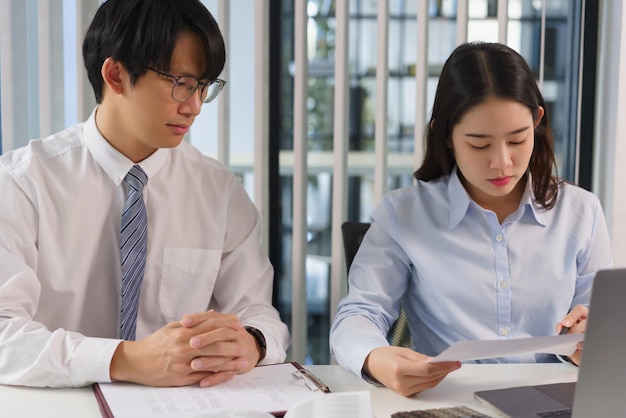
(575,322)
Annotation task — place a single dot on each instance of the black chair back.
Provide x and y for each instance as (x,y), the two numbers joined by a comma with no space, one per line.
(353,233)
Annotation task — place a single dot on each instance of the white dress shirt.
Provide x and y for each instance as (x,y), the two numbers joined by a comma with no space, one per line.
(460,274)
(60,273)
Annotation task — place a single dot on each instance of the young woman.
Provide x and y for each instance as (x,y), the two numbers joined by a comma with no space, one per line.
(488,244)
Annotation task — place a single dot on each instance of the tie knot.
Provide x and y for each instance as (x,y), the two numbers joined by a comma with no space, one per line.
(136,178)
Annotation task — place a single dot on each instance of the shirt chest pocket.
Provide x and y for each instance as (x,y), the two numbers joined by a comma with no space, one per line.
(187,280)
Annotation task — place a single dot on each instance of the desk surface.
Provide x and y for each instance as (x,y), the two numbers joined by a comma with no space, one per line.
(456,389)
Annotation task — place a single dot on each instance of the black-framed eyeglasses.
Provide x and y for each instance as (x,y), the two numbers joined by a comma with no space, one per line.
(186,85)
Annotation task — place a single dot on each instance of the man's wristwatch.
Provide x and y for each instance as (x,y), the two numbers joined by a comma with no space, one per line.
(260,341)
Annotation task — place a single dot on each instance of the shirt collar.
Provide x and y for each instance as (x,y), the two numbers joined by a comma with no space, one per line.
(458,198)
(531,206)
(460,201)
(115,164)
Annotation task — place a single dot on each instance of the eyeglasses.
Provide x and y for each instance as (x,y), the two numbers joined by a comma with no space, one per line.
(186,85)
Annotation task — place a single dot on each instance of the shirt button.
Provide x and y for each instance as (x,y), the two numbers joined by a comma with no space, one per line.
(504,331)
(499,237)
(504,285)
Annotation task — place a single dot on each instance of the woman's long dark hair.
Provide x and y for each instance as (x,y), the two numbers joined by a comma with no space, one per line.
(473,73)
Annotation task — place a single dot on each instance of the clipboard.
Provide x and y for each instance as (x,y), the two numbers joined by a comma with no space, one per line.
(105,411)
(310,380)
(268,388)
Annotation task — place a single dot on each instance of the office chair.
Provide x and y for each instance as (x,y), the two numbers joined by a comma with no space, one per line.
(353,233)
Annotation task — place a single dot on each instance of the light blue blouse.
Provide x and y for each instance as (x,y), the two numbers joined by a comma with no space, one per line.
(461,275)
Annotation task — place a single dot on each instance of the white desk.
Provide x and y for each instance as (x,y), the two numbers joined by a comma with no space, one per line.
(456,389)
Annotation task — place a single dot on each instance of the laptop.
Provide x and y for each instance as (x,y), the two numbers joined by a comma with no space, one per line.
(601,387)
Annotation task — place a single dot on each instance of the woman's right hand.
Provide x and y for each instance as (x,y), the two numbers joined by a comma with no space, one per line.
(405,371)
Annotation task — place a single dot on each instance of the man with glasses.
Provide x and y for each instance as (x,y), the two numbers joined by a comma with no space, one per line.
(125,254)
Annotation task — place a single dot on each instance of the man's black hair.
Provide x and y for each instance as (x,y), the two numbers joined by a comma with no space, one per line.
(143,33)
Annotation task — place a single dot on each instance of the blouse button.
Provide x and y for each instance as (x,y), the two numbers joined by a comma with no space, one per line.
(499,237)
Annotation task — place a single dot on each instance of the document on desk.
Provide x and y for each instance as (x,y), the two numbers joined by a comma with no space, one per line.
(273,388)
(479,350)
(268,389)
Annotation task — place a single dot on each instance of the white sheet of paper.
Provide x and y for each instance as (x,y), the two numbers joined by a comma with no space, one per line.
(356,404)
(478,350)
(270,388)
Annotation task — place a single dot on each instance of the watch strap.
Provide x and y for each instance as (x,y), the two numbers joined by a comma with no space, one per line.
(260,340)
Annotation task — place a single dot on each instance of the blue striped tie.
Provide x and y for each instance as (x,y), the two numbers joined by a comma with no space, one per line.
(134,237)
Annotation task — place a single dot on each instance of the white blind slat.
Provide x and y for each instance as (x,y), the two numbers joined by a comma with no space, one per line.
(462,17)
(421,82)
(382,75)
(223,101)
(299,318)
(261,115)
(503,20)
(338,285)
